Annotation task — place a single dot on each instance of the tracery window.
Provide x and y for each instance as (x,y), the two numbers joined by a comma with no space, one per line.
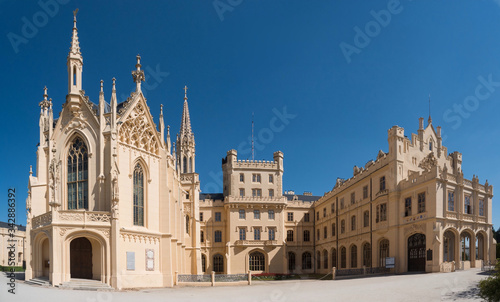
(451,201)
(367,255)
(291,261)
(325,259)
(334,258)
(78,175)
(384,251)
(138,195)
(366,219)
(343,256)
(354,256)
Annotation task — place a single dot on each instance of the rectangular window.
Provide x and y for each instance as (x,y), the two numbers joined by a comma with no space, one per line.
(317,234)
(421,202)
(342,203)
(467,205)
(202,236)
(382,183)
(242,192)
(481,207)
(366,219)
(333,229)
(365,192)
(451,201)
(255,177)
(218,236)
(317,215)
(324,212)
(201,216)
(290,216)
(381,212)
(325,232)
(272,234)
(289,236)
(342,227)
(242,214)
(270,214)
(256,233)
(407,206)
(353,223)
(218,216)
(256,214)
(353,198)
(271,178)
(271,193)
(333,208)
(306,217)
(242,177)
(256,192)
(307,236)
(243,234)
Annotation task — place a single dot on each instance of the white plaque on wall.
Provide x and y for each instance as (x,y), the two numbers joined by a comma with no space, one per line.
(150,260)
(131,261)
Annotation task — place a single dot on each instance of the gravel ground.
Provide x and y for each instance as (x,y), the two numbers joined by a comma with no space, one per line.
(458,286)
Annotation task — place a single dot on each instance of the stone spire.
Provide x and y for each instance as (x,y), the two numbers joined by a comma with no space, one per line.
(185,141)
(162,125)
(185,130)
(75,45)
(75,69)
(113,104)
(138,74)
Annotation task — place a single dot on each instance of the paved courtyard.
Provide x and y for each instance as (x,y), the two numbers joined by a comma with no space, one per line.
(458,286)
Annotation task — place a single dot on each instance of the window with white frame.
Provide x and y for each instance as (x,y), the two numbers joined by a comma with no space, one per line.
(256,214)
(256,233)
(242,192)
(243,233)
(242,214)
(270,214)
(272,233)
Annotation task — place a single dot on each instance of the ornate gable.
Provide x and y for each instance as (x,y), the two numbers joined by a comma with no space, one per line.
(138,129)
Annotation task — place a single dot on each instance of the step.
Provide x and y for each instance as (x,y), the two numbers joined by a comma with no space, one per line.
(83,284)
(38,281)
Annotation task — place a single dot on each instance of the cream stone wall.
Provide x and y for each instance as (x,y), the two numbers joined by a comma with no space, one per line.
(7,239)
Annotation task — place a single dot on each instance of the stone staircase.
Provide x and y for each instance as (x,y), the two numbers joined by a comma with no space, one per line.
(85,284)
(38,281)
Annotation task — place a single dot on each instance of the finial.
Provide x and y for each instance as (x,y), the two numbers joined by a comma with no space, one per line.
(31,169)
(114,82)
(138,74)
(45,92)
(161,109)
(102,85)
(430,119)
(45,102)
(74,18)
(185,92)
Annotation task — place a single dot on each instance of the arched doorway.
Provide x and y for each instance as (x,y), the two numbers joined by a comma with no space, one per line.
(257,262)
(448,246)
(416,253)
(81,258)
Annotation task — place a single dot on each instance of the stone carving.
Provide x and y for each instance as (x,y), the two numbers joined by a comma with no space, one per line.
(63,231)
(42,220)
(428,162)
(53,179)
(98,217)
(139,238)
(71,216)
(415,228)
(137,131)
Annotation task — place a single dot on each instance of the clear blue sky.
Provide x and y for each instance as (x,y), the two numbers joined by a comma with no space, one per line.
(263,57)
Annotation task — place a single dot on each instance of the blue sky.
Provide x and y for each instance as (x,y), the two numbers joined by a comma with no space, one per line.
(320,92)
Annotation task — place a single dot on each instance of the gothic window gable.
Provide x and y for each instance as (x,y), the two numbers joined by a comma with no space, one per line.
(138,130)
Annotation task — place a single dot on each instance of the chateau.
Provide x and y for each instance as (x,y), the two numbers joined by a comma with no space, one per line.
(114,200)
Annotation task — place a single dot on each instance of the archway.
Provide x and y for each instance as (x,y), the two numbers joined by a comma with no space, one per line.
(416,253)
(448,246)
(81,258)
(45,261)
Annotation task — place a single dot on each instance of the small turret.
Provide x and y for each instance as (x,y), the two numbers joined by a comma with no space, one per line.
(113,104)
(185,141)
(162,127)
(138,74)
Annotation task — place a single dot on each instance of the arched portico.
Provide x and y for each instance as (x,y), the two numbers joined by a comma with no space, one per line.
(41,256)
(86,256)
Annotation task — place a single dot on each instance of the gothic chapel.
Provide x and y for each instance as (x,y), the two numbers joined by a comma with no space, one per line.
(112,199)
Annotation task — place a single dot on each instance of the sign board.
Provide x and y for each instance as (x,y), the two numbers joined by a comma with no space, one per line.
(390,262)
(131,261)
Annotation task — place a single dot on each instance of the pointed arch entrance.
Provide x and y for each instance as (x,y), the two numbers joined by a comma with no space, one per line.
(81,258)
(416,253)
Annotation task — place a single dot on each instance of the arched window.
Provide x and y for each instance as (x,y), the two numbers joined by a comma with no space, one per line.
(343,256)
(325,259)
(291,262)
(78,170)
(187,224)
(318,260)
(354,256)
(353,222)
(465,244)
(479,247)
(190,165)
(367,255)
(257,262)
(218,263)
(307,236)
(342,226)
(334,258)
(384,251)
(74,75)
(203,263)
(138,195)
(306,260)
(449,246)
(184,165)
